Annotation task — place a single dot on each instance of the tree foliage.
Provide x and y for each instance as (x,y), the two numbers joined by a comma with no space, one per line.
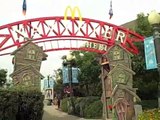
(89,79)
(143,27)
(58,86)
(145,80)
(3,75)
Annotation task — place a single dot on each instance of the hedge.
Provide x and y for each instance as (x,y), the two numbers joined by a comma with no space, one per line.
(21,104)
(94,110)
(81,105)
(153,114)
(149,104)
(64,106)
(8,105)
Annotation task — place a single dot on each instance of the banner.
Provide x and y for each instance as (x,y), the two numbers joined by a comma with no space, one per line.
(73,12)
(75,75)
(150,56)
(65,74)
(48,83)
(24,7)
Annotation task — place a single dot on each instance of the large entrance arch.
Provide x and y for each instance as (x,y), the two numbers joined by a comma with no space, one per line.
(55,33)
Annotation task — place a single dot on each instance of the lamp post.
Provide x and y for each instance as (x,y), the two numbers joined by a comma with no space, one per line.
(48,81)
(68,61)
(154,20)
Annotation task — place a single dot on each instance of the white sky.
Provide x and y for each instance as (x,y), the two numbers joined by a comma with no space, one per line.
(123,10)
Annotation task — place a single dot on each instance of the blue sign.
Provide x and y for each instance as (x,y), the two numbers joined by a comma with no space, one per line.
(45,83)
(150,56)
(48,83)
(66,75)
(75,75)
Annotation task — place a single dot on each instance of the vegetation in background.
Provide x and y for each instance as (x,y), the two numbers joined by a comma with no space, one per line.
(145,80)
(89,81)
(58,86)
(153,114)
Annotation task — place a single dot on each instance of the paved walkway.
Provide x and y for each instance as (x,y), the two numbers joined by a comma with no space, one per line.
(52,113)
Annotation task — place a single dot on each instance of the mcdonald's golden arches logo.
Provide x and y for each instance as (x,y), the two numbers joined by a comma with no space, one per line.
(73,12)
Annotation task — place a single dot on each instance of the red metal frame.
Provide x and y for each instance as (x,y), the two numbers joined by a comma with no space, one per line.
(47,29)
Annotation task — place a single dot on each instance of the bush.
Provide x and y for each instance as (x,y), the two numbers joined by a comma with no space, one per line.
(94,110)
(85,102)
(8,105)
(64,104)
(153,114)
(21,104)
(77,105)
(80,104)
(149,104)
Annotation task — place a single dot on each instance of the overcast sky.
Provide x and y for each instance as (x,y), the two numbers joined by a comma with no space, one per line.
(123,10)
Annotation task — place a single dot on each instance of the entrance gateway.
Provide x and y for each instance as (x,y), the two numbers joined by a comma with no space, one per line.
(53,32)
(115,43)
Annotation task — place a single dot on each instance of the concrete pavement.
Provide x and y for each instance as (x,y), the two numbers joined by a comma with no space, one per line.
(52,113)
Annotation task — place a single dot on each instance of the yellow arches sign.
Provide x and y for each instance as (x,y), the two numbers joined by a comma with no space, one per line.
(72,12)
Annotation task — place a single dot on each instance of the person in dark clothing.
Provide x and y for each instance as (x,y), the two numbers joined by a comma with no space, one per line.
(58,100)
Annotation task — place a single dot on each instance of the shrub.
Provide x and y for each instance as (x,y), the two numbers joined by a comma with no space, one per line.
(8,105)
(21,104)
(153,114)
(79,103)
(30,103)
(64,104)
(85,102)
(149,104)
(94,110)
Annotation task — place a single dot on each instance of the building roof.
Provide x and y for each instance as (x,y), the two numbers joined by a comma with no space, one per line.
(119,45)
(130,24)
(123,67)
(28,67)
(27,43)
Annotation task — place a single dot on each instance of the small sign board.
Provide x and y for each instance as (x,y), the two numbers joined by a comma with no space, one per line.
(48,83)
(49,93)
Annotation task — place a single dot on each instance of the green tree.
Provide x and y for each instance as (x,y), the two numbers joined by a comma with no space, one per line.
(58,87)
(143,27)
(145,80)
(88,77)
(3,75)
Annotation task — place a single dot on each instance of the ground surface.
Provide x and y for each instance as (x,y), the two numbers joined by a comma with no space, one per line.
(52,113)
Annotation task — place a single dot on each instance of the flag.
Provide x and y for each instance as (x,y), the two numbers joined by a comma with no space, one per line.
(24,7)
(110,10)
(150,54)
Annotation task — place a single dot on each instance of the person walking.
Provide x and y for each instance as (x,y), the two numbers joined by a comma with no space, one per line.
(58,100)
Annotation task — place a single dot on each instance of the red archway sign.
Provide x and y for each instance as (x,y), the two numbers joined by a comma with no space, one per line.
(55,33)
